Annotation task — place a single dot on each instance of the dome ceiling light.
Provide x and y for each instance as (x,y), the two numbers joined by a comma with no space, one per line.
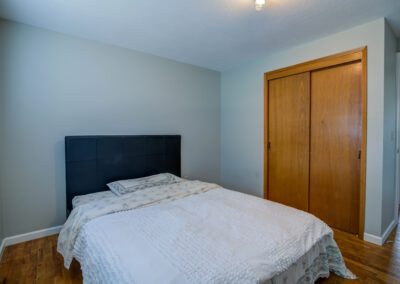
(260,4)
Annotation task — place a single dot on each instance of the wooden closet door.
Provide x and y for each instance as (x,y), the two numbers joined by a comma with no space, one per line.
(288,136)
(335,145)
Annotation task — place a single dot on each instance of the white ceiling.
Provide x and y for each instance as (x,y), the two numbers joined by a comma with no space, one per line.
(217,34)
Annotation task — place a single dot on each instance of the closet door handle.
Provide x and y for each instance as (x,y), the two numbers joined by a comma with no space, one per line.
(359,154)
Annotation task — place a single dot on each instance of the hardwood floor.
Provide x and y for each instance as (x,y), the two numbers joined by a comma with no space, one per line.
(38,262)
(371,263)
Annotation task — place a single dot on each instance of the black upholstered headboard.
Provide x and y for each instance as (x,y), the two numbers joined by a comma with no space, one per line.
(93,161)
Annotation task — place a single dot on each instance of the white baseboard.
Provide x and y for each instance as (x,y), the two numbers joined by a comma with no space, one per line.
(373,239)
(9,241)
(2,247)
(380,240)
(389,230)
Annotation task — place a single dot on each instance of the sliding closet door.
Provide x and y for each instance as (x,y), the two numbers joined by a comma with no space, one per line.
(288,136)
(335,145)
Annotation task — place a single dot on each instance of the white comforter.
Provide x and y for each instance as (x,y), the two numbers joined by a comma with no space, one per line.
(217,236)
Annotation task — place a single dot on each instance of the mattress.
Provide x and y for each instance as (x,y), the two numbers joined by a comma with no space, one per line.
(198,233)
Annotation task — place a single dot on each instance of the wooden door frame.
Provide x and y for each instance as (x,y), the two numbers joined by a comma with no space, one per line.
(355,55)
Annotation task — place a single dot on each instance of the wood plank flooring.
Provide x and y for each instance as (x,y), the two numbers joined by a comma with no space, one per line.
(371,263)
(38,262)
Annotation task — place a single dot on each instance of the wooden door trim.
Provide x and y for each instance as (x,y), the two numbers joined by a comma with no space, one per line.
(324,62)
(359,54)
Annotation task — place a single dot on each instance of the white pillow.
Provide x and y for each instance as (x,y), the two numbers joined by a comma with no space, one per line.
(131,185)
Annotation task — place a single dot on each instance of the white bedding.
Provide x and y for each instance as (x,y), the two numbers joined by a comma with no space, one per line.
(84,199)
(207,236)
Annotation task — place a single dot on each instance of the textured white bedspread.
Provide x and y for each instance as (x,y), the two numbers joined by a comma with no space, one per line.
(219,236)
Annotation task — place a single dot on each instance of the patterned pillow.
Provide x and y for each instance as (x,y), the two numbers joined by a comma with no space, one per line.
(131,185)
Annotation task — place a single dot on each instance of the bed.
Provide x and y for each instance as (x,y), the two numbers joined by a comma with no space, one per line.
(184,231)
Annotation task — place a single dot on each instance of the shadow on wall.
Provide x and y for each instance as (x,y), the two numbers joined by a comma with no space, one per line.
(3,40)
(59,182)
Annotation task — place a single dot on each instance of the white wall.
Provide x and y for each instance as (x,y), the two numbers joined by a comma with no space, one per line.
(389,135)
(242,113)
(1,223)
(2,134)
(54,85)
(397,206)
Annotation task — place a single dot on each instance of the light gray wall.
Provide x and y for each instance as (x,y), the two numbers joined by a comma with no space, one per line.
(242,113)
(389,135)
(397,215)
(1,220)
(2,134)
(54,85)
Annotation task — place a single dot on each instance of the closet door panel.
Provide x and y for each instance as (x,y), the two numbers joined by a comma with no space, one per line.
(335,145)
(288,154)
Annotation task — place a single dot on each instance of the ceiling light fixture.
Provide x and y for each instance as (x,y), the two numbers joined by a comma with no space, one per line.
(260,4)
